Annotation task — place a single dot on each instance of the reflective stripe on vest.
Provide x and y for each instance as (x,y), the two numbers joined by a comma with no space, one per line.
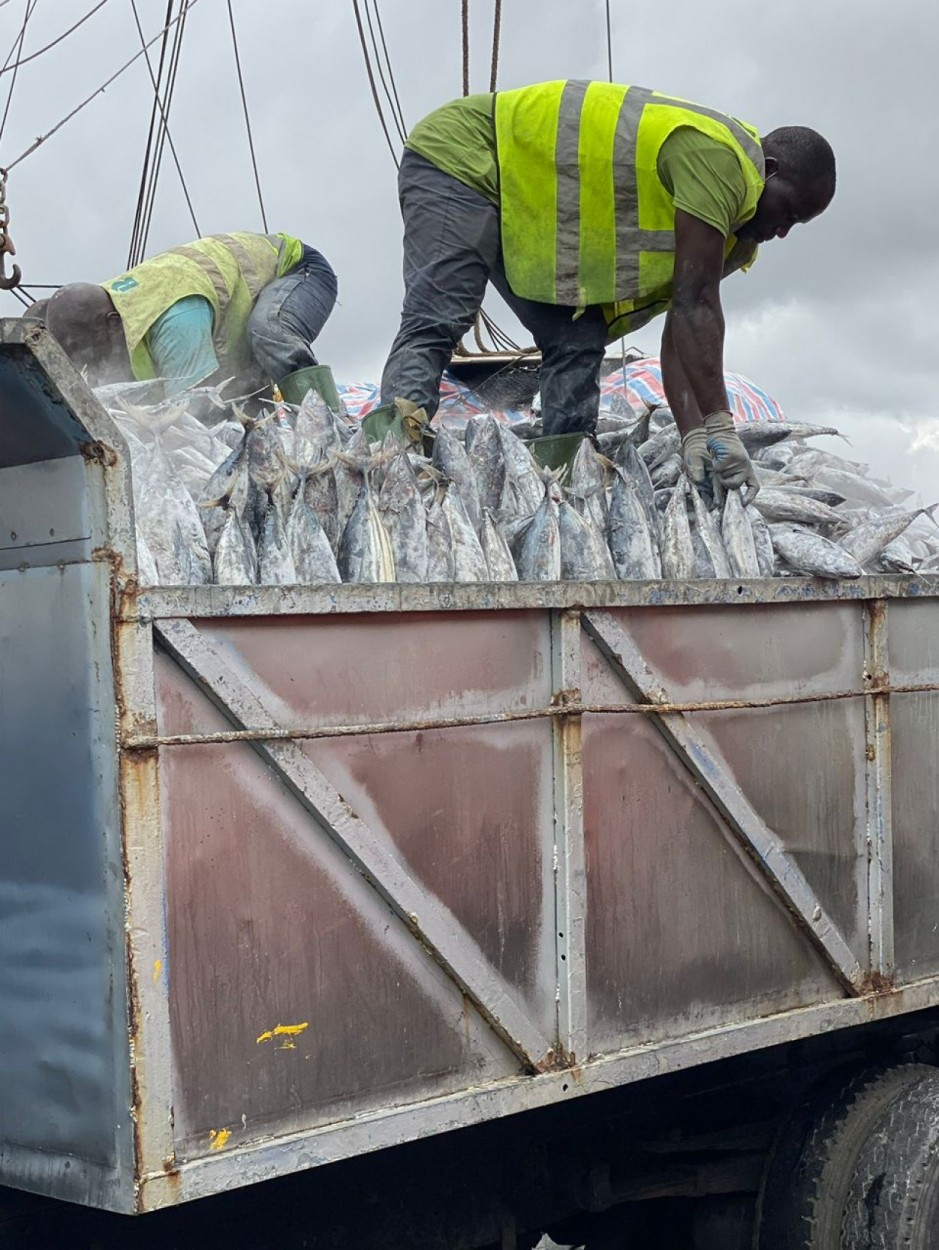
(229,270)
(584,213)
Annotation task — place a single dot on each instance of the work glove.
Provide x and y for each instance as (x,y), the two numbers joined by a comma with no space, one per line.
(414,420)
(731,464)
(696,457)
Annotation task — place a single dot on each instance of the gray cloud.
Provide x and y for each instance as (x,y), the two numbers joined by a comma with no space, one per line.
(839,320)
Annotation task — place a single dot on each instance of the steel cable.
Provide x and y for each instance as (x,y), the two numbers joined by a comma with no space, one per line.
(43,138)
(165,125)
(244,104)
(7,67)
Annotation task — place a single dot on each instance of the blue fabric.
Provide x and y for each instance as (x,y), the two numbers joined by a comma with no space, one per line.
(180,343)
(289,314)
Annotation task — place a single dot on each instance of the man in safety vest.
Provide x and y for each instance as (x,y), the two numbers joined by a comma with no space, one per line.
(592,207)
(249,305)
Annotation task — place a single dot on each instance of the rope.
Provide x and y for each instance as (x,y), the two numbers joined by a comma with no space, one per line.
(244,105)
(371,81)
(561,709)
(496,35)
(58,39)
(98,91)
(465,28)
(164,120)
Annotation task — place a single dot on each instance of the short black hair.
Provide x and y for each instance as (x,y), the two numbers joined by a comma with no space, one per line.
(804,157)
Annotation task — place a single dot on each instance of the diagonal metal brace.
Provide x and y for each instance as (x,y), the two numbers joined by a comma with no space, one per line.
(755,837)
(433,926)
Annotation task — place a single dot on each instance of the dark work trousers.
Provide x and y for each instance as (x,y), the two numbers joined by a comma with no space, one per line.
(289,314)
(452,248)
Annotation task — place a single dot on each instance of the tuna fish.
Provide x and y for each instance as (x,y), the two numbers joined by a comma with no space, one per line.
(678,563)
(365,553)
(806,552)
(450,458)
(738,537)
(633,541)
(499,560)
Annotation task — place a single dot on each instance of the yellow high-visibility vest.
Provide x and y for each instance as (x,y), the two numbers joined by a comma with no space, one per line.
(585,217)
(230,270)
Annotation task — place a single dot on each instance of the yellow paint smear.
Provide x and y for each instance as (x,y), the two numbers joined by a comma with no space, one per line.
(286,1031)
(218,1138)
(157,969)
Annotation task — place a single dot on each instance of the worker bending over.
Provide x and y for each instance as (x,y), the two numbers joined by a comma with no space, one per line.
(240,304)
(593,207)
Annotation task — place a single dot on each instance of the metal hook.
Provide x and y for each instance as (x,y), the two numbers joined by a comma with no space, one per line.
(8,283)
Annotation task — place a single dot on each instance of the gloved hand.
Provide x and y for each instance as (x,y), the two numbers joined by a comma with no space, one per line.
(696,457)
(729,456)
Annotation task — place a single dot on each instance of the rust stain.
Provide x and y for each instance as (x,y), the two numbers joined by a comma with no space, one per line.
(97,452)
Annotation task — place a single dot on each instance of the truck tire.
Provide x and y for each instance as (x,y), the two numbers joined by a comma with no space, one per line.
(893,1201)
(813,1160)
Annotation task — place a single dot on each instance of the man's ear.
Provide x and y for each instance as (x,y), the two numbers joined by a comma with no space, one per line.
(114,320)
(772,167)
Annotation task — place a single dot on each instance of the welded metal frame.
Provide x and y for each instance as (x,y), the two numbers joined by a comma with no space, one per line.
(168,618)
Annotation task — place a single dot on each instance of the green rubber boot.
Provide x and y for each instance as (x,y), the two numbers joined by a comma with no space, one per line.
(403,419)
(557,451)
(318,377)
(379,421)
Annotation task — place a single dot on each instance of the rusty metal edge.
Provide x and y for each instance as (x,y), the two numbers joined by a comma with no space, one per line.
(221,601)
(264,1160)
(878,768)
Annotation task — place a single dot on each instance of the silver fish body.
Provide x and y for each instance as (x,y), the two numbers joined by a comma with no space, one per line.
(737,534)
(487,460)
(710,557)
(809,553)
(539,551)
(678,562)
(365,553)
(310,549)
(403,512)
(585,556)
(235,559)
(778,504)
(469,561)
(633,542)
(867,540)
(762,542)
(275,562)
(499,561)
(450,458)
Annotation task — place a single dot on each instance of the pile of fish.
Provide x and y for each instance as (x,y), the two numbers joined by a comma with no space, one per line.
(297,495)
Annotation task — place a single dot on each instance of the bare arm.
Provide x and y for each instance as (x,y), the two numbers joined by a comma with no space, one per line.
(693,339)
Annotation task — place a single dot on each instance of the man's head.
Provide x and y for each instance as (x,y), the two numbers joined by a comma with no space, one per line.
(86,324)
(800,183)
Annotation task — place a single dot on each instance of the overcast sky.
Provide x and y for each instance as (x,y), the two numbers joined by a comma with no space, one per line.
(839,321)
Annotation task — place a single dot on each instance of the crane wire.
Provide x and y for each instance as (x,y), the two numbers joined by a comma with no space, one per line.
(496,36)
(244,104)
(391,77)
(7,68)
(146,170)
(391,97)
(609,40)
(98,91)
(162,131)
(165,129)
(464,15)
(18,46)
(371,81)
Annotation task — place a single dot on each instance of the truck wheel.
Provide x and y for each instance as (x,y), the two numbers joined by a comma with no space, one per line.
(810,1169)
(893,1202)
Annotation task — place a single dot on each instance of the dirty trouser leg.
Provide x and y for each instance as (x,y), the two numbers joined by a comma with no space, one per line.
(451,243)
(571,354)
(289,314)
